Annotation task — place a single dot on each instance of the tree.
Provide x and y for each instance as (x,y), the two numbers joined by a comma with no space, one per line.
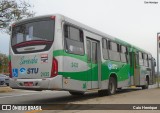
(0,62)
(4,63)
(13,10)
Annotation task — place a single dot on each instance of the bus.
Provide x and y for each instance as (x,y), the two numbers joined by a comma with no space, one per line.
(54,52)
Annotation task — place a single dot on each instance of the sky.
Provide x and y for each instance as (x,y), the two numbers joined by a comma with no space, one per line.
(134,21)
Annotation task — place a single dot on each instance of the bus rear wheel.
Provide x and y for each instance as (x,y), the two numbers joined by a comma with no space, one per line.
(146,85)
(76,93)
(111,86)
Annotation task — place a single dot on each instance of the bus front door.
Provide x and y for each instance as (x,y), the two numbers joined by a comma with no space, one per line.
(92,59)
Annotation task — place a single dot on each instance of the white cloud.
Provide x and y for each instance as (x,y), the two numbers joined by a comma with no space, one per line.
(4,43)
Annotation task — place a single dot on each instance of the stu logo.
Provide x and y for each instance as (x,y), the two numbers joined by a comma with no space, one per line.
(32,70)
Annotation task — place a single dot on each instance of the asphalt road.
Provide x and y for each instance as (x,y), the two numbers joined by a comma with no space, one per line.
(126,96)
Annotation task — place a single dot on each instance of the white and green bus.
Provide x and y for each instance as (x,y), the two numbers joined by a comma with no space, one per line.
(54,52)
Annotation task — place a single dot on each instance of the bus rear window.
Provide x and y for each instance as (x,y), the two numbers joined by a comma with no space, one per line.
(38,30)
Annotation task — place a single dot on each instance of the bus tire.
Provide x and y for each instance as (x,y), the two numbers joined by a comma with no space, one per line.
(147,84)
(76,93)
(111,86)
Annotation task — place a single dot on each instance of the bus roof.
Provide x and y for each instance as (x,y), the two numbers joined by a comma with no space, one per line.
(103,34)
(90,29)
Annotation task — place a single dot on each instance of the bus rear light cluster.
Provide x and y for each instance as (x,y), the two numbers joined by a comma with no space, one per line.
(52,17)
(10,69)
(54,70)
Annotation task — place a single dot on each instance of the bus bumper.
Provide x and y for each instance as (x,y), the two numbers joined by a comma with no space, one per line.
(54,83)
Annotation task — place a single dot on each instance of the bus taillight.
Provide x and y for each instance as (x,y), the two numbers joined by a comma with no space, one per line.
(54,70)
(10,69)
(53,17)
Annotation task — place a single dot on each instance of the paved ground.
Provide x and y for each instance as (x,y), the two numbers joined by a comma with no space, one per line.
(127,96)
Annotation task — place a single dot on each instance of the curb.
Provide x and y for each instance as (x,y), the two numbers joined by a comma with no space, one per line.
(5,89)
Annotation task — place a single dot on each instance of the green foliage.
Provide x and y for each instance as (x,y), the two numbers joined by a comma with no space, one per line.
(0,63)
(4,63)
(13,10)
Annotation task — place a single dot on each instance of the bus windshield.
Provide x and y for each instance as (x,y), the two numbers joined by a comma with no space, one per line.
(33,31)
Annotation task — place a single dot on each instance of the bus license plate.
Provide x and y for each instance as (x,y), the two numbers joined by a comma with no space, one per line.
(28,83)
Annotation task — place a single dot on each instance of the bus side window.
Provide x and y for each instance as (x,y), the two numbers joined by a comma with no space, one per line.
(146,60)
(123,54)
(75,34)
(136,59)
(149,61)
(140,58)
(131,58)
(114,46)
(105,48)
(66,32)
(74,43)
(94,52)
(114,53)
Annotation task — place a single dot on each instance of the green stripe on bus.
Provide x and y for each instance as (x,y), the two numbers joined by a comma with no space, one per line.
(122,73)
(83,75)
(63,53)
